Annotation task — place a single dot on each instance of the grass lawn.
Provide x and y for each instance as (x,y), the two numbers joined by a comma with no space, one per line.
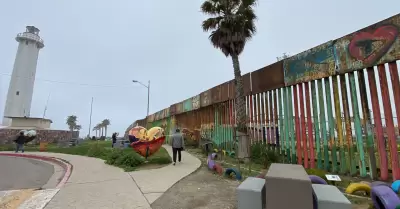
(127,158)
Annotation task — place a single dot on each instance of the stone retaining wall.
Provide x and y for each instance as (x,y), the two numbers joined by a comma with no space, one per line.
(51,136)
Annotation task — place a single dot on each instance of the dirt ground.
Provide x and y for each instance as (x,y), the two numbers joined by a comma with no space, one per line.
(205,190)
(200,190)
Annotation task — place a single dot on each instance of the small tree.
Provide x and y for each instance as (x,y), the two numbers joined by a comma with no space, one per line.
(71,122)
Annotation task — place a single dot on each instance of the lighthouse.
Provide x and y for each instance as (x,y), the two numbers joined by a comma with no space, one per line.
(20,91)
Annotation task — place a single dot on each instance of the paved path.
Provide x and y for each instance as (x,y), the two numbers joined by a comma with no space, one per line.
(93,184)
(153,183)
(22,173)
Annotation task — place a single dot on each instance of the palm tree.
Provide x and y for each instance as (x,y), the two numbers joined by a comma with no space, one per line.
(100,128)
(96,128)
(232,26)
(105,123)
(71,122)
(78,127)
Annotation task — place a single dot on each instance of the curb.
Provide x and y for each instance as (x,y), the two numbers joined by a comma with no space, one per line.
(64,164)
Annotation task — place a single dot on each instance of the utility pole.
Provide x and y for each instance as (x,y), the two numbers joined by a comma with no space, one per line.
(45,107)
(90,120)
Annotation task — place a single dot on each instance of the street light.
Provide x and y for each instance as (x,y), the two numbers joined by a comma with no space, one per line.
(148,93)
(148,103)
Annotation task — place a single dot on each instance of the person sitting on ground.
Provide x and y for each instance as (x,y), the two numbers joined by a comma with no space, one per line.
(20,141)
(178,145)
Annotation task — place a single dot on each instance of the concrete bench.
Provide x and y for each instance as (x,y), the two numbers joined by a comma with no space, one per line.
(330,197)
(288,186)
(251,194)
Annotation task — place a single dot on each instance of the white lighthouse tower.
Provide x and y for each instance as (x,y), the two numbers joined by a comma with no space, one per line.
(20,91)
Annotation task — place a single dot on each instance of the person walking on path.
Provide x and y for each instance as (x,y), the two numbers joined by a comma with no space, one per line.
(20,141)
(178,144)
(114,139)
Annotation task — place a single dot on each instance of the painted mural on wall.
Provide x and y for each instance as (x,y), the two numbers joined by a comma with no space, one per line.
(376,44)
(205,98)
(313,64)
(150,118)
(165,113)
(179,108)
(172,109)
(206,131)
(196,102)
(187,105)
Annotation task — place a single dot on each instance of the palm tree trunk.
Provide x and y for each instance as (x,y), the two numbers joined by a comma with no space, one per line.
(241,133)
(105,134)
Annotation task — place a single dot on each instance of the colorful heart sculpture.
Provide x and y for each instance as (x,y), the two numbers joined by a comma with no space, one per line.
(146,142)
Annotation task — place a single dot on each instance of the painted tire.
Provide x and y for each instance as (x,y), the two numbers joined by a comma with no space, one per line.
(366,182)
(317,180)
(384,197)
(209,158)
(396,186)
(378,183)
(211,164)
(230,171)
(218,168)
(232,154)
(355,187)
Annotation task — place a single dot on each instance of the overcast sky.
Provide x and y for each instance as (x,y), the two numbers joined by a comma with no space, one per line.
(109,43)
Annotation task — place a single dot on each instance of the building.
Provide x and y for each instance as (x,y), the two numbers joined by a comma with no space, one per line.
(20,91)
(29,123)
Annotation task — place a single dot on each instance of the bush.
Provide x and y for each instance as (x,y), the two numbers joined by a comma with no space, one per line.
(113,156)
(128,160)
(123,158)
(160,157)
(264,155)
(98,152)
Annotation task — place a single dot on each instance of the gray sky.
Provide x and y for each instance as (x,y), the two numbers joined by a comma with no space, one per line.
(112,42)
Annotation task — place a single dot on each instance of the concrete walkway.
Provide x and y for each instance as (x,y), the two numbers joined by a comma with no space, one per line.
(94,184)
(153,183)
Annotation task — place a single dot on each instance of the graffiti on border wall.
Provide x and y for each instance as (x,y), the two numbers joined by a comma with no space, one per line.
(205,98)
(313,64)
(376,44)
(196,102)
(179,108)
(206,130)
(187,105)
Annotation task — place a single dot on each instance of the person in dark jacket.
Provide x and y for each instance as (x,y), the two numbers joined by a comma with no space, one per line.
(178,145)
(114,139)
(20,141)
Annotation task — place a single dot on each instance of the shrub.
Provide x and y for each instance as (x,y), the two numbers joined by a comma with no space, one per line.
(264,155)
(160,157)
(98,152)
(126,159)
(113,156)
(317,172)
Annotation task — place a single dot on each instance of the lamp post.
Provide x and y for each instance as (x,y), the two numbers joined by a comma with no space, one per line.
(148,94)
(148,103)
